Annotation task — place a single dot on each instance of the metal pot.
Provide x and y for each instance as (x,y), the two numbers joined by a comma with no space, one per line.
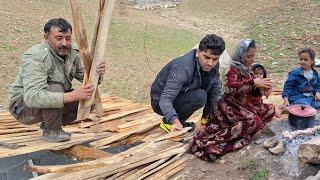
(302,116)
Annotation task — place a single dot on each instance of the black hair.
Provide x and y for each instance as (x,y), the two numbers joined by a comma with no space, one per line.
(310,51)
(256,66)
(213,42)
(60,23)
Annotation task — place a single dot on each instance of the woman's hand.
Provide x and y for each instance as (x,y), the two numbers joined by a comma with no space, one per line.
(263,83)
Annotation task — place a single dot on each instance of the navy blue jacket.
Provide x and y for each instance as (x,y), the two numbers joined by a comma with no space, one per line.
(297,84)
(181,75)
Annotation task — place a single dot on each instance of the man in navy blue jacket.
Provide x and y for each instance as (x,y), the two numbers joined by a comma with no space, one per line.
(188,83)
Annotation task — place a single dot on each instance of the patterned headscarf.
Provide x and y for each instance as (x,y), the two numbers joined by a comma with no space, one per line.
(240,56)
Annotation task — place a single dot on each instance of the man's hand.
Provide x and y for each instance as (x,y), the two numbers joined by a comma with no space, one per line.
(81,93)
(101,68)
(176,125)
(263,82)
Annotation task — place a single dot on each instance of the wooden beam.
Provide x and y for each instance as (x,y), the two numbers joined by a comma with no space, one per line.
(133,158)
(86,55)
(84,153)
(100,46)
(122,135)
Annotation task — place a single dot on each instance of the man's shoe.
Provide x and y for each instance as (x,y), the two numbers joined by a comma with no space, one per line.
(55,135)
(42,127)
(165,127)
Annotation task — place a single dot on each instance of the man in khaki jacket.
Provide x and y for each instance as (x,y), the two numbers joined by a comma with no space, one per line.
(43,91)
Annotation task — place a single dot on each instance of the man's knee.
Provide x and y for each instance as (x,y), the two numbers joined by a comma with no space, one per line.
(200,97)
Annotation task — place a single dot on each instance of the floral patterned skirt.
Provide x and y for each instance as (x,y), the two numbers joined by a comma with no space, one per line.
(232,126)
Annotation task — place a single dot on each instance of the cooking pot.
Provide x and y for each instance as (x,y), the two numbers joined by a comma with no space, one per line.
(302,116)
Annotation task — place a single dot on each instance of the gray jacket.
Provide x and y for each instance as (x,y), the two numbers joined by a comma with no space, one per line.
(181,75)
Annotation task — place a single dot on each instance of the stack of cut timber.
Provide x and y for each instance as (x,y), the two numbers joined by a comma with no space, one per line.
(159,155)
(151,160)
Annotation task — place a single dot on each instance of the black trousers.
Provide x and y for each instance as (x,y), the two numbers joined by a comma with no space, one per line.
(185,104)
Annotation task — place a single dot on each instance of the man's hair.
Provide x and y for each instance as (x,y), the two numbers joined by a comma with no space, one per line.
(310,51)
(214,43)
(60,23)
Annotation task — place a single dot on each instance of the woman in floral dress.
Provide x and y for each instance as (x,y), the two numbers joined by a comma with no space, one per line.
(233,121)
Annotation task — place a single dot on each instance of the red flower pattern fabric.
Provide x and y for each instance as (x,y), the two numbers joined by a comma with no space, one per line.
(234,120)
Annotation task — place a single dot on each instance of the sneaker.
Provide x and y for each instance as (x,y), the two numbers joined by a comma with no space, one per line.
(165,127)
(55,135)
(204,121)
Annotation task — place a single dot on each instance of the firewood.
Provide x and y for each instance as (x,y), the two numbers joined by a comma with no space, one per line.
(81,152)
(169,170)
(122,135)
(100,46)
(108,166)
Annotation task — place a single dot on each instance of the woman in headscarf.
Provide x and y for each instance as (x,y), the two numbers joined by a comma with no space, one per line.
(234,120)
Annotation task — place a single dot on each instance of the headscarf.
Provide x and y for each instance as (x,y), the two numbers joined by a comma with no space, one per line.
(240,56)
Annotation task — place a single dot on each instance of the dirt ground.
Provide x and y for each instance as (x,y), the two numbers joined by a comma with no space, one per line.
(280,27)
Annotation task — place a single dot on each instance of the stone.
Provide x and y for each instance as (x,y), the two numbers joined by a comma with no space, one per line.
(309,152)
(272,142)
(222,162)
(278,149)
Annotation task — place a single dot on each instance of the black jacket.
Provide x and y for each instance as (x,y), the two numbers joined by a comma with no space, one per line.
(181,75)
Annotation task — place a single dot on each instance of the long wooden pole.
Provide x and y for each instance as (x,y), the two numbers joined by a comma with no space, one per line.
(100,47)
(86,54)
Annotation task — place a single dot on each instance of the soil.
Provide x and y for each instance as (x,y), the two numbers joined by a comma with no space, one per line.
(228,18)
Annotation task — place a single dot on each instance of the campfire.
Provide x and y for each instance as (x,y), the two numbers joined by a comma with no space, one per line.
(296,148)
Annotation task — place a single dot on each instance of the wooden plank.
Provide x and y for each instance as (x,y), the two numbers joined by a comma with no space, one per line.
(172,134)
(163,165)
(5,136)
(82,153)
(30,162)
(119,162)
(164,173)
(172,172)
(43,145)
(114,116)
(10,131)
(139,121)
(122,135)
(100,44)
(145,160)
(139,173)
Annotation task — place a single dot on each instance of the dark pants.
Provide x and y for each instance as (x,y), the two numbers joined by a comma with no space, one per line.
(52,118)
(185,104)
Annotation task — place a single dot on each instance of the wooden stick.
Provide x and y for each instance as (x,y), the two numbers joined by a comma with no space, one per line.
(87,57)
(81,152)
(122,135)
(30,162)
(139,173)
(164,173)
(117,163)
(100,44)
